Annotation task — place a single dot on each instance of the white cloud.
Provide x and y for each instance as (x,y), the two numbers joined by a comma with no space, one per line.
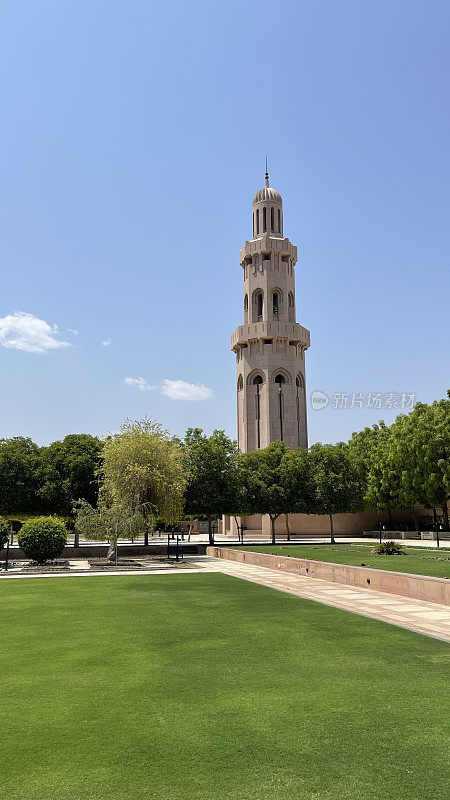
(181,390)
(73,330)
(140,383)
(22,331)
(176,390)
(107,342)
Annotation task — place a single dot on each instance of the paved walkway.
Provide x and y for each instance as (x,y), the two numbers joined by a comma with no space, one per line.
(430,619)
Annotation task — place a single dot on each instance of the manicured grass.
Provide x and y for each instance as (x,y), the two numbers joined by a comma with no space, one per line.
(206,687)
(419,561)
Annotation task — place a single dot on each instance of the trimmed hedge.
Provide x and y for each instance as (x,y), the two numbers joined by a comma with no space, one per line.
(42,538)
(4,531)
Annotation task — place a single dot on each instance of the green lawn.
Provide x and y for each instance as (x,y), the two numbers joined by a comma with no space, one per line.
(204,686)
(420,561)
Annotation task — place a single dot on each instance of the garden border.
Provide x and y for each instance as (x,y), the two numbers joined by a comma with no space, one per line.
(420,587)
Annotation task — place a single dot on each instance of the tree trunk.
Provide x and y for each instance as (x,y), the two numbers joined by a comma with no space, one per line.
(146,536)
(445,515)
(272,519)
(288,531)
(332,541)
(416,520)
(111,554)
(238,528)
(210,531)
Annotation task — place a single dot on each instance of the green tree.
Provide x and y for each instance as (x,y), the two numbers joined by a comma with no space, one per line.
(210,465)
(277,481)
(339,488)
(297,480)
(420,453)
(369,450)
(107,522)
(142,474)
(67,472)
(18,479)
(362,448)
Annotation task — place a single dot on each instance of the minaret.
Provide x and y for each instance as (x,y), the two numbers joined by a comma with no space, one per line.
(270,345)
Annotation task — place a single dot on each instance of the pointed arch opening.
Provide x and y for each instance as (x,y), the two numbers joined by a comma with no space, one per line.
(257,305)
(300,404)
(291,309)
(257,381)
(280,380)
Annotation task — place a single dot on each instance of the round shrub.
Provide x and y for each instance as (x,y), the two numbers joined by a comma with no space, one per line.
(42,538)
(4,531)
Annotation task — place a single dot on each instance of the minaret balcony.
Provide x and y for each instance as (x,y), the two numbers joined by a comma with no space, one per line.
(270,330)
(268,243)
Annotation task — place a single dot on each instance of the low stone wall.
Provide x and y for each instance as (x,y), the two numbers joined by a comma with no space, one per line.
(422,587)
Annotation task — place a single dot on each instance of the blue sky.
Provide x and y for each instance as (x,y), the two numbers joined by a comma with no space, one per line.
(133,138)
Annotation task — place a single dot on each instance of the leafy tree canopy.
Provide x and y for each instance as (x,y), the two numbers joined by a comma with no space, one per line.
(67,471)
(339,488)
(210,464)
(142,470)
(18,475)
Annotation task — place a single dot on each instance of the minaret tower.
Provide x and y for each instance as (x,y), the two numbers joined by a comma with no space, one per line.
(270,345)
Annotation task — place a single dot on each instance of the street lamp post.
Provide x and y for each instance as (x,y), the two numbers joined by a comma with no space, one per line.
(438,527)
(381,528)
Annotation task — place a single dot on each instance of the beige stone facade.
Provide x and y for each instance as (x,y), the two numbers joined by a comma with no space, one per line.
(270,346)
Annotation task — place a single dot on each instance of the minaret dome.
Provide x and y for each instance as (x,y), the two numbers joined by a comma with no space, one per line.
(267,211)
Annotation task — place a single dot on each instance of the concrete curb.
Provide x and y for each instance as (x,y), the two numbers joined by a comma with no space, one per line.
(420,587)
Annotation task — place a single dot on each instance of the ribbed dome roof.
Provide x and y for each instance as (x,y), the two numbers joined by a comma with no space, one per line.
(267,193)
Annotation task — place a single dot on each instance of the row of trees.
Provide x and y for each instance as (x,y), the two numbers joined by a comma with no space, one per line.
(275,481)
(47,479)
(123,484)
(407,462)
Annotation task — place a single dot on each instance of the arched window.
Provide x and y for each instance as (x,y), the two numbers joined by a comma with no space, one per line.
(275,300)
(253,224)
(257,221)
(257,381)
(264,219)
(279,380)
(291,313)
(259,306)
(279,221)
(240,383)
(271,218)
(300,404)
(246,302)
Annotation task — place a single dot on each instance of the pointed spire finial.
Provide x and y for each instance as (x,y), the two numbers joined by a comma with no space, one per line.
(267,174)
